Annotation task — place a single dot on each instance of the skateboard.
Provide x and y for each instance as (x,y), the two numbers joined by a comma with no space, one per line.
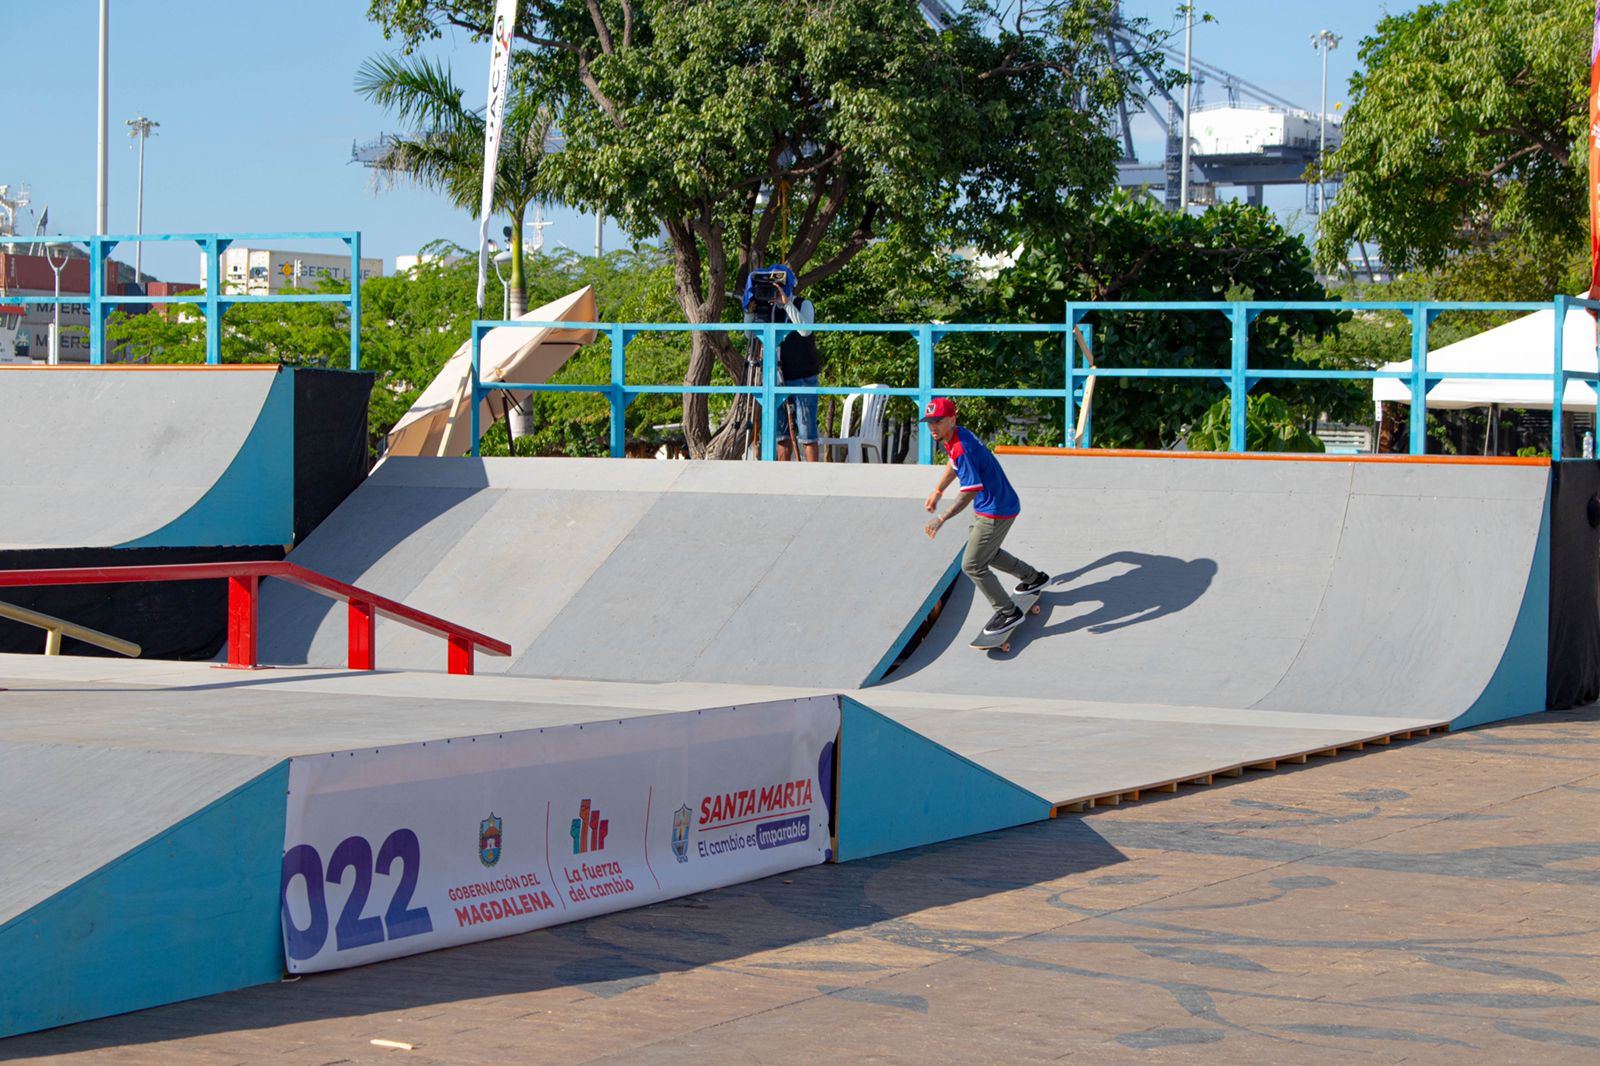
(1028,603)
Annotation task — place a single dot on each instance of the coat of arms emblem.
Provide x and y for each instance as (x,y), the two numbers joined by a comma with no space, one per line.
(489,840)
(682,818)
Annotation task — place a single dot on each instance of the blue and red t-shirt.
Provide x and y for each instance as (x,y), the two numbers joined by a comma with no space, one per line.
(977,470)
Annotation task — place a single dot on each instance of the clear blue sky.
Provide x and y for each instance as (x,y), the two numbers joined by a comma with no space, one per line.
(258,113)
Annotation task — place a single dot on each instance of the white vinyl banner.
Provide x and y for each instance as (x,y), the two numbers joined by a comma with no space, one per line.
(393,851)
(500,37)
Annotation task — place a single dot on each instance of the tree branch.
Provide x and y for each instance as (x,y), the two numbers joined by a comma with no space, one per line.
(1561,155)
(746,223)
(852,246)
(586,76)
(484,31)
(817,222)
(467,24)
(600,28)
(1122,281)
(1021,68)
(1505,164)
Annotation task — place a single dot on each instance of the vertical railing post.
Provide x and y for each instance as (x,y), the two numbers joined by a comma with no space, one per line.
(363,636)
(1086,438)
(1238,376)
(242,618)
(619,400)
(355,300)
(769,393)
(459,655)
(1558,378)
(472,379)
(97,307)
(924,390)
(1420,318)
(1070,364)
(213,310)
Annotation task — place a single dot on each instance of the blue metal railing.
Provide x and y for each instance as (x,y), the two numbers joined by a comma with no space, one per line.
(1238,375)
(213,300)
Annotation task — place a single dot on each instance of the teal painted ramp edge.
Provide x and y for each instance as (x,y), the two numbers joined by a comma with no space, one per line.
(252,503)
(885,663)
(898,789)
(190,912)
(1518,686)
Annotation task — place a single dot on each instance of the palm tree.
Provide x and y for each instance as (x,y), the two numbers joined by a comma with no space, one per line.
(445,149)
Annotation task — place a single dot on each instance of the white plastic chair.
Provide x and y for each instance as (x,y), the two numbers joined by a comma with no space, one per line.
(868,432)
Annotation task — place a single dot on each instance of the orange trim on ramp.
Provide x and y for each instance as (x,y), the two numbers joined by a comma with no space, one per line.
(1271,457)
(148,366)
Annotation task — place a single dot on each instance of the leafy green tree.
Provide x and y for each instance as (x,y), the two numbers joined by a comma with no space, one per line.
(749,131)
(1467,131)
(413,322)
(1270,426)
(1136,251)
(445,150)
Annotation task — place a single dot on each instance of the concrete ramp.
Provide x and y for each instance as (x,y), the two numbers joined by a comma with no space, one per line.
(1328,588)
(136,456)
(778,574)
(1312,587)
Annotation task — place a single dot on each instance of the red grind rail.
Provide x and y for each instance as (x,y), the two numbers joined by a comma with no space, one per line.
(244,584)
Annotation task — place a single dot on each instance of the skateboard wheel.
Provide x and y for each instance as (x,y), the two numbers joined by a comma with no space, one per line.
(1034,609)
(1006,647)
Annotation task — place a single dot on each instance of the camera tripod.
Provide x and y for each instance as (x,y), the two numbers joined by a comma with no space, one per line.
(746,426)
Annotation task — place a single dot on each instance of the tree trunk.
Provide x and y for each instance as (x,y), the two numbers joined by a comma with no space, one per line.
(703,300)
(519,291)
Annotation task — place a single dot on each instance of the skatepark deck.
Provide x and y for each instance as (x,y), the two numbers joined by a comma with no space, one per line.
(1209,616)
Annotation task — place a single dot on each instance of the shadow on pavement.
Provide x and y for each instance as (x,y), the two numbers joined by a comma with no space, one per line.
(610,955)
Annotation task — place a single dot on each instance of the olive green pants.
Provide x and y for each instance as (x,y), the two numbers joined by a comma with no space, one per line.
(984,552)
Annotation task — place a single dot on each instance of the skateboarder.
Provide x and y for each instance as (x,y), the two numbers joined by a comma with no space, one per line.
(983,483)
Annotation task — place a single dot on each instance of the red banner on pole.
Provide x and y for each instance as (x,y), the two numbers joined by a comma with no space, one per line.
(1594,159)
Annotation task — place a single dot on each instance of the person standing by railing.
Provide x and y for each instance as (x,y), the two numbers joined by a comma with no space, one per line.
(766,293)
(984,483)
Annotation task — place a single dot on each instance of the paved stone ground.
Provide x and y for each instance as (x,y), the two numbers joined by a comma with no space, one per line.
(1434,901)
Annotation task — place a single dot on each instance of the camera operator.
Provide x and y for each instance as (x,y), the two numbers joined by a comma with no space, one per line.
(769,297)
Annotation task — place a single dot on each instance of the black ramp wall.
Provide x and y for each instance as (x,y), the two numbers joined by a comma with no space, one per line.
(1574,676)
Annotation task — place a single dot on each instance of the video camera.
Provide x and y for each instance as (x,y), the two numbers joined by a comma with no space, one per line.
(766,287)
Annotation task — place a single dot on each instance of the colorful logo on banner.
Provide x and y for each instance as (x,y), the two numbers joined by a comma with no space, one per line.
(489,840)
(589,830)
(682,823)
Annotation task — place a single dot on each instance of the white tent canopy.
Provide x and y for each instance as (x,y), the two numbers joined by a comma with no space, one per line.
(1524,346)
(440,422)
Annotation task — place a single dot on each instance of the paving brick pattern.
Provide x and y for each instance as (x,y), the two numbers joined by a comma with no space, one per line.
(1430,902)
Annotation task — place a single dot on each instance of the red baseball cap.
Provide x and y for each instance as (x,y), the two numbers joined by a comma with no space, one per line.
(939,407)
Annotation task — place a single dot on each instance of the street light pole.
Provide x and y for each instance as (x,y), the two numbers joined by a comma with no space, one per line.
(53,352)
(1323,41)
(142,128)
(497,258)
(1188,102)
(100,154)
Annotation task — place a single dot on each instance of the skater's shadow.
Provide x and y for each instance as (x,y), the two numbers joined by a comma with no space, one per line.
(1156,586)
(1139,588)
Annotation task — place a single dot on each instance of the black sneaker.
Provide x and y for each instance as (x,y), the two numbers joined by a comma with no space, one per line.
(1033,584)
(1004,620)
